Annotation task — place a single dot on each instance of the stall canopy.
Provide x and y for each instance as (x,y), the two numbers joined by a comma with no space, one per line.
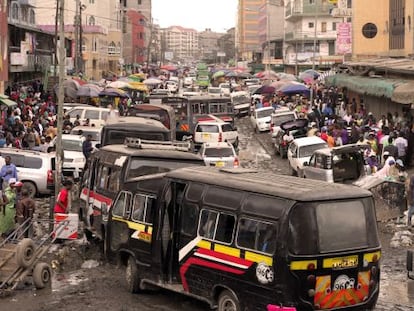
(4,100)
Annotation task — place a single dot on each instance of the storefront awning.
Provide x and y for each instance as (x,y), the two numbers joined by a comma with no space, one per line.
(404,93)
(365,85)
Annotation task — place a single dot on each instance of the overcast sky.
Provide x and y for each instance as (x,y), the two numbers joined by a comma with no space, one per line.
(219,15)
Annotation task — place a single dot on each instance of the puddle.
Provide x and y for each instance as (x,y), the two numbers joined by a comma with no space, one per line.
(62,281)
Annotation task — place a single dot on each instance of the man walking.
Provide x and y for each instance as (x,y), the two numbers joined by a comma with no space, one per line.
(87,146)
(8,171)
(25,208)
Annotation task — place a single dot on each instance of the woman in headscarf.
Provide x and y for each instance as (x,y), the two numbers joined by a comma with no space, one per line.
(8,212)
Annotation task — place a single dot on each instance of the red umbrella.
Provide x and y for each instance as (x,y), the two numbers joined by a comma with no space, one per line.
(265,89)
(168,67)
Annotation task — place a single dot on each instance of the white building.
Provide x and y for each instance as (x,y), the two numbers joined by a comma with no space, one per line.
(310,33)
(182,42)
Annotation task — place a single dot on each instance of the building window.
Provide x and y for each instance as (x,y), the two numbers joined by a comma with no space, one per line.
(141,21)
(323,27)
(111,48)
(83,45)
(15,11)
(32,19)
(91,21)
(141,35)
(334,26)
(369,30)
(311,25)
(311,1)
(139,2)
(91,1)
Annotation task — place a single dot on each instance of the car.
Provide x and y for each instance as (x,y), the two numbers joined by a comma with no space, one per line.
(261,118)
(300,150)
(241,103)
(214,91)
(253,81)
(252,88)
(162,92)
(228,87)
(289,131)
(343,164)
(73,158)
(88,130)
(188,81)
(96,115)
(215,131)
(220,154)
(34,168)
(280,116)
(172,86)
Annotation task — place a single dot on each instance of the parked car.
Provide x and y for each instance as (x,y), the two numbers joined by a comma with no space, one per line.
(261,118)
(253,81)
(73,158)
(34,168)
(300,150)
(215,131)
(188,81)
(96,115)
(289,131)
(343,164)
(280,116)
(219,154)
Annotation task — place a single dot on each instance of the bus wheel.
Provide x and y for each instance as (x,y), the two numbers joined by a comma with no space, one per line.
(131,275)
(228,302)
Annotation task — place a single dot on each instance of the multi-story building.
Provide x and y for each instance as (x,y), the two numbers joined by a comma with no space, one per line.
(226,44)
(386,30)
(30,49)
(182,42)
(4,59)
(248,46)
(310,34)
(271,31)
(138,31)
(209,45)
(98,24)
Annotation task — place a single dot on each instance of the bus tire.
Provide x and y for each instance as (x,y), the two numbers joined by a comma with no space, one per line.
(25,253)
(131,276)
(227,301)
(42,275)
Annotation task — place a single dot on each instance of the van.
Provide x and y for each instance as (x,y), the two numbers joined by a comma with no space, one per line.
(109,168)
(96,115)
(344,164)
(241,240)
(241,103)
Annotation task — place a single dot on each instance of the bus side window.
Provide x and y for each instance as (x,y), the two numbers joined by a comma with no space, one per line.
(207,224)
(104,177)
(120,205)
(191,214)
(143,208)
(114,179)
(217,226)
(257,235)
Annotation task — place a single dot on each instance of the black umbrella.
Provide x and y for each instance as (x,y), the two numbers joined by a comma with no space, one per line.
(265,89)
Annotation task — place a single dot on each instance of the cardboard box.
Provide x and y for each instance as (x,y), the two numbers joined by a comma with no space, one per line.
(70,230)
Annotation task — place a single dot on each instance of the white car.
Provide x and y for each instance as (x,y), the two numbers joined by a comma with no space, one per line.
(215,91)
(215,132)
(172,86)
(219,155)
(188,81)
(261,119)
(96,115)
(73,158)
(280,116)
(300,151)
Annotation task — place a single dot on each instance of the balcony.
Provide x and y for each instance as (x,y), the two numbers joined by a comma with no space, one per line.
(309,36)
(29,63)
(296,9)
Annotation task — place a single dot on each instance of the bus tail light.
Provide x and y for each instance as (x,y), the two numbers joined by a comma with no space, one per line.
(311,266)
(220,137)
(236,162)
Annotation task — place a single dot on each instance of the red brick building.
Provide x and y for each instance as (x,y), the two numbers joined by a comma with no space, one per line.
(135,49)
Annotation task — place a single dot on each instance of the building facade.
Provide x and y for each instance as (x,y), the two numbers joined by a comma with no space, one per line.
(310,34)
(226,44)
(248,46)
(95,30)
(4,59)
(182,42)
(209,48)
(386,31)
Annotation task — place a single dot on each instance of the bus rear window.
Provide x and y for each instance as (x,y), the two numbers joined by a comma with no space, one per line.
(334,226)
(341,226)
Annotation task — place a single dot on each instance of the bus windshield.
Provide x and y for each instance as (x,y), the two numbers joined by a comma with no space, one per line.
(332,227)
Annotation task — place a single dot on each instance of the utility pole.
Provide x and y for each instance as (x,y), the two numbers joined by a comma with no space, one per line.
(61,95)
(149,44)
(56,41)
(77,43)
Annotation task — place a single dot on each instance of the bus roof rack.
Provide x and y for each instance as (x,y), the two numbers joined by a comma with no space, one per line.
(139,143)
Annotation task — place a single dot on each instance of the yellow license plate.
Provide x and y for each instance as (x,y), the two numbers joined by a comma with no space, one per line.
(341,262)
(219,164)
(207,136)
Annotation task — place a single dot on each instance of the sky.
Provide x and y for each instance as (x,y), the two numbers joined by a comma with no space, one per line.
(219,15)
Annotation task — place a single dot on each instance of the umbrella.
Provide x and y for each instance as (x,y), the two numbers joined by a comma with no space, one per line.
(266,89)
(169,67)
(162,77)
(4,100)
(111,92)
(244,75)
(286,76)
(138,77)
(139,86)
(118,84)
(79,80)
(232,74)
(152,81)
(89,90)
(219,74)
(278,84)
(295,88)
(71,87)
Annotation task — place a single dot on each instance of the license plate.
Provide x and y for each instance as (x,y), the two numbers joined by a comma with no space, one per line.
(342,262)
(206,136)
(219,164)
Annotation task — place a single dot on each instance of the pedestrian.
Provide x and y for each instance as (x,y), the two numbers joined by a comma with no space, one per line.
(63,202)
(8,171)
(410,200)
(401,143)
(87,146)
(25,208)
(8,214)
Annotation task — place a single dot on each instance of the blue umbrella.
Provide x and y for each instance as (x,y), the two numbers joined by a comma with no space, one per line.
(291,89)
